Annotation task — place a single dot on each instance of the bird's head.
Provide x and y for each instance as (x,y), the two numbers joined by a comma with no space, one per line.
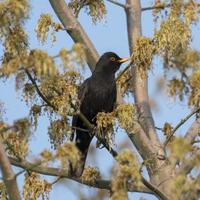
(109,63)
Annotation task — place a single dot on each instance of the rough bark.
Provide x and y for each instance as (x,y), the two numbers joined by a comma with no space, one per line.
(8,175)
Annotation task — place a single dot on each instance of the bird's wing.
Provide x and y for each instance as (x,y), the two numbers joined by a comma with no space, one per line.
(82,139)
(81,95)
(83,90)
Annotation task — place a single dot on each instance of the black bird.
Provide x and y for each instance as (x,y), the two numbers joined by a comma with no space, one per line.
(96,94)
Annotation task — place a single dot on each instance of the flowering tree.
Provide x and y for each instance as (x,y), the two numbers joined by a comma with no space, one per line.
(49,85)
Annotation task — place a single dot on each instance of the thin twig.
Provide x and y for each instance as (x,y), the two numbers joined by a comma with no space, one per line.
(123,71)
(180,124)
(131,64)
(58,179)
(158,128)
(80,129)
(117,3)
(196,141)
(38,90)
(156,7)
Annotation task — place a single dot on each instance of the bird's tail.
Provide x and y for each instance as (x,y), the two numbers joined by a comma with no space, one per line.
(82,142)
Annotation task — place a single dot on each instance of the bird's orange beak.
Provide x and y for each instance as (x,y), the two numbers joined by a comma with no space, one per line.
(122,60)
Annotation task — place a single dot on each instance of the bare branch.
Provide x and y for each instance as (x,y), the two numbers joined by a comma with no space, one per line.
(141,141)
(80,129)
(140,87)
(123,71)
(56,181)
(158,169)
(131,64)
(75,30)
(156,7)
(154,189)
(101,184)
(180,124)
(117,3)
(36,164)
(140,84)
(38,90)
(50,171)
(8,175)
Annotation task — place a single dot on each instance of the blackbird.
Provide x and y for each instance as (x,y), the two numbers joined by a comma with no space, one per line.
(97,94)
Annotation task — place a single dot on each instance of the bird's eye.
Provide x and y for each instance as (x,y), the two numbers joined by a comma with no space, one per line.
(112,59)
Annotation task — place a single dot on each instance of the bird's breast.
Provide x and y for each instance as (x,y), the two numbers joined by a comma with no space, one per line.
(101,97)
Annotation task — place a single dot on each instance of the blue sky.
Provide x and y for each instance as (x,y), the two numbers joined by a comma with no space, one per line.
(110,35)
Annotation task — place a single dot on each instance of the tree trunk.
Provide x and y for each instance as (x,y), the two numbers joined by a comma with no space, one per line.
(159,169)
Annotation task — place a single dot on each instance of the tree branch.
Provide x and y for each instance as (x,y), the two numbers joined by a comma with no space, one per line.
(75,30)
(154,189)
(101,184)
(159,169)
(140,84)
(141,141)
(8,175)
(50,171)
(117,3)
(180,124)
(38,90)
(125,6)
(156,7)
(131,64)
